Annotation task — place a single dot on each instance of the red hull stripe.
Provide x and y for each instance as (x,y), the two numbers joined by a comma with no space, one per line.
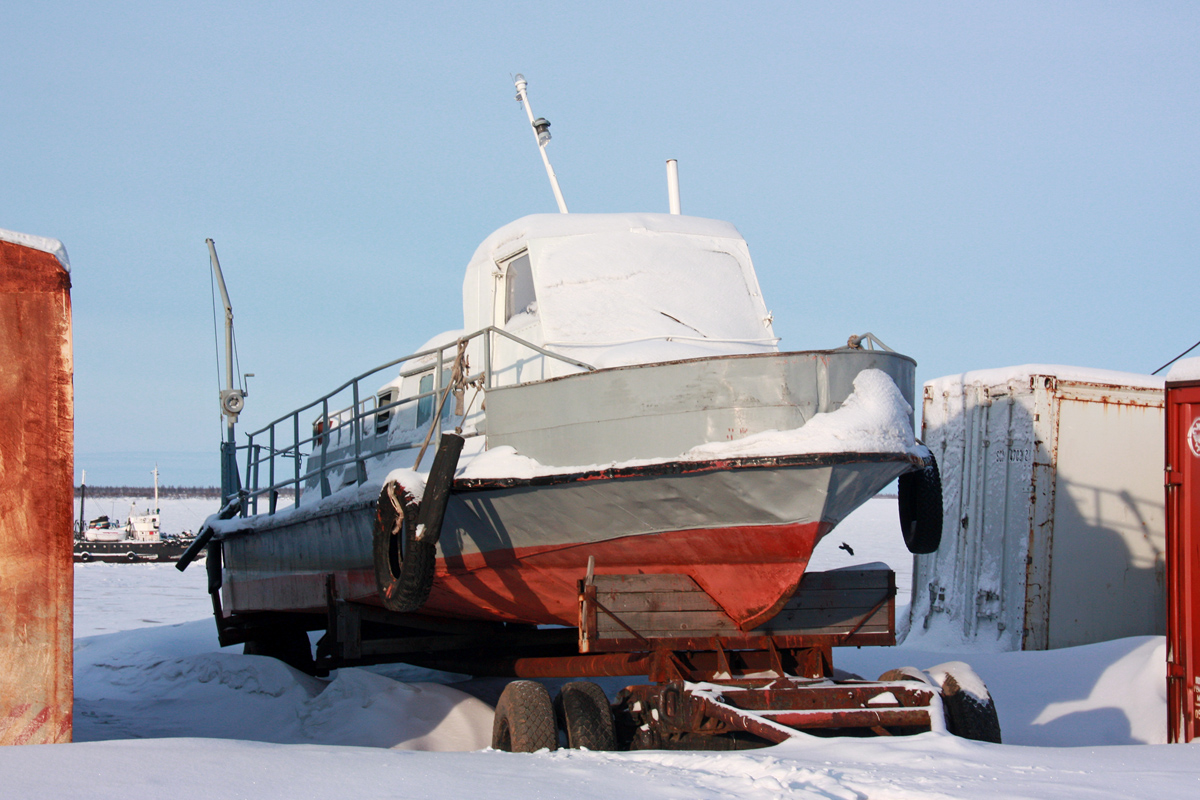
(749,571)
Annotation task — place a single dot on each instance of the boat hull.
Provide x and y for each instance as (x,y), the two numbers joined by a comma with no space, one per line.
(130,551)
(514,550)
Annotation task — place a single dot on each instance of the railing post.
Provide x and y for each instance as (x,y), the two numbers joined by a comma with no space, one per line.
(325,433)
(271,473)
(257,460)
(251,477)
(487,358)
(360,469)
(437,393)
(296,441)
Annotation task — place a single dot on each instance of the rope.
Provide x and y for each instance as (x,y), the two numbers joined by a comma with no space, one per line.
(456,377)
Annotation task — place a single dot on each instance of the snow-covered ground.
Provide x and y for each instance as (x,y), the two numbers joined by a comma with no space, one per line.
(161,711)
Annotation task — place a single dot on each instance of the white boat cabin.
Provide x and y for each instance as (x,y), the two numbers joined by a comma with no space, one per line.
(601,290)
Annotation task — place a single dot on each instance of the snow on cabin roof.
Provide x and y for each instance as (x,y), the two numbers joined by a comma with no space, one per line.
(47,245)
(623,277)
(1002,375)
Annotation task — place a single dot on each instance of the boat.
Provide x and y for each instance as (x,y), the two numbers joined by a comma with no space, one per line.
(614,402)
(103,529)
(139,539)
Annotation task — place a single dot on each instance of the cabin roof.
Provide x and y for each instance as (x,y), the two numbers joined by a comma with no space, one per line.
(614,279)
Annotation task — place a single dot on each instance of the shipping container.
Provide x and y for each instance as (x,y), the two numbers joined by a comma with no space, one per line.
(1183,550)
(1053,521)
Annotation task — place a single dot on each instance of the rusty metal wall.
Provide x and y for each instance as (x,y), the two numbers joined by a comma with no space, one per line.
(36,490)
(1183,560)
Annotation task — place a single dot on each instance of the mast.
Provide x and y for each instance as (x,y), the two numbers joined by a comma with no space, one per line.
(232,400)
(541,134)
(82,495)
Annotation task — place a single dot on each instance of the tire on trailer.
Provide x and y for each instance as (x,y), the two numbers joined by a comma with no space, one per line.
(287,643)
(584,714)
(403,565)
(524,721)
(920,503)
(970,709)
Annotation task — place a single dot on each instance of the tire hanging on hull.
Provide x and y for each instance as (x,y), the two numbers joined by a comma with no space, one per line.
(920,505)
(406,533)
(403,563)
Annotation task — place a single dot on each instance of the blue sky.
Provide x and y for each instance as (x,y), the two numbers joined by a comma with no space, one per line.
(980,184)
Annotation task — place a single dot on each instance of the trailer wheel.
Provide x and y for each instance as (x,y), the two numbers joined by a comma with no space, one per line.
(524,720)
(920,505)
(970,709)
(403,564)
(585,715)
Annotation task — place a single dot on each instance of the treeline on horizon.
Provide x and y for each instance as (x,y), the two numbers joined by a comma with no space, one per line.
(148,491)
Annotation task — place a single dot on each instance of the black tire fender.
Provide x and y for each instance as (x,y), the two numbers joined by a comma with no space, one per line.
(584,714)
(524,721)
(403,563)
(920,504)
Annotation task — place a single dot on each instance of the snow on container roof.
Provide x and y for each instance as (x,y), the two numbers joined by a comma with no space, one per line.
(52,246)
(1003,375)
(1187,369)
(618,278)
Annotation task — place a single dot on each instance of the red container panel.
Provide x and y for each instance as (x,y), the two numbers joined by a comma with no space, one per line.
(1183,560)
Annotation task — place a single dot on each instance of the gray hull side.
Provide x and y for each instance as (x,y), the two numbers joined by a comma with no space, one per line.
(524,517)
(663,410)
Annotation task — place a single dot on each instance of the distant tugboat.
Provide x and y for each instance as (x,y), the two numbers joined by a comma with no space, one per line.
(140,539)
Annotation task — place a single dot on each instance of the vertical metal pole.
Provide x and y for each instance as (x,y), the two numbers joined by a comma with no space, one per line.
(296,439)
(253,477)
(360,469)
(82,497)
(487,358)
(524,98)
(325,432)
(437,411)
(271,473)
(230,483)
(673,186)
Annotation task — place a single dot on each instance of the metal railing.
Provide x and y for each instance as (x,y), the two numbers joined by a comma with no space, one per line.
(270,448)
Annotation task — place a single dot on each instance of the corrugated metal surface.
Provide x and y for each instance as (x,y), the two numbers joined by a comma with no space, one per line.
(37,419)
(1183,561)
(1053,517)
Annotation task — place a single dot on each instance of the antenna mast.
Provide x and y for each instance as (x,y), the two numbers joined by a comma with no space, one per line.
(541,133)
(232,400)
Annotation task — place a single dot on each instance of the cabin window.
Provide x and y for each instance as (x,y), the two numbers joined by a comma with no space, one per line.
(426,405)
(382,417)
(518,287)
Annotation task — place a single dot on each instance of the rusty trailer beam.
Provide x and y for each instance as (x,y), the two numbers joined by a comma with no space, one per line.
(682,714)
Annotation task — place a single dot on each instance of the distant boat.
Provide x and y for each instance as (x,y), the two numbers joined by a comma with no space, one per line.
(139,539)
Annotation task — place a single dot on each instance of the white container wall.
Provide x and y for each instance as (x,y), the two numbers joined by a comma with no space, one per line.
(1053,525)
